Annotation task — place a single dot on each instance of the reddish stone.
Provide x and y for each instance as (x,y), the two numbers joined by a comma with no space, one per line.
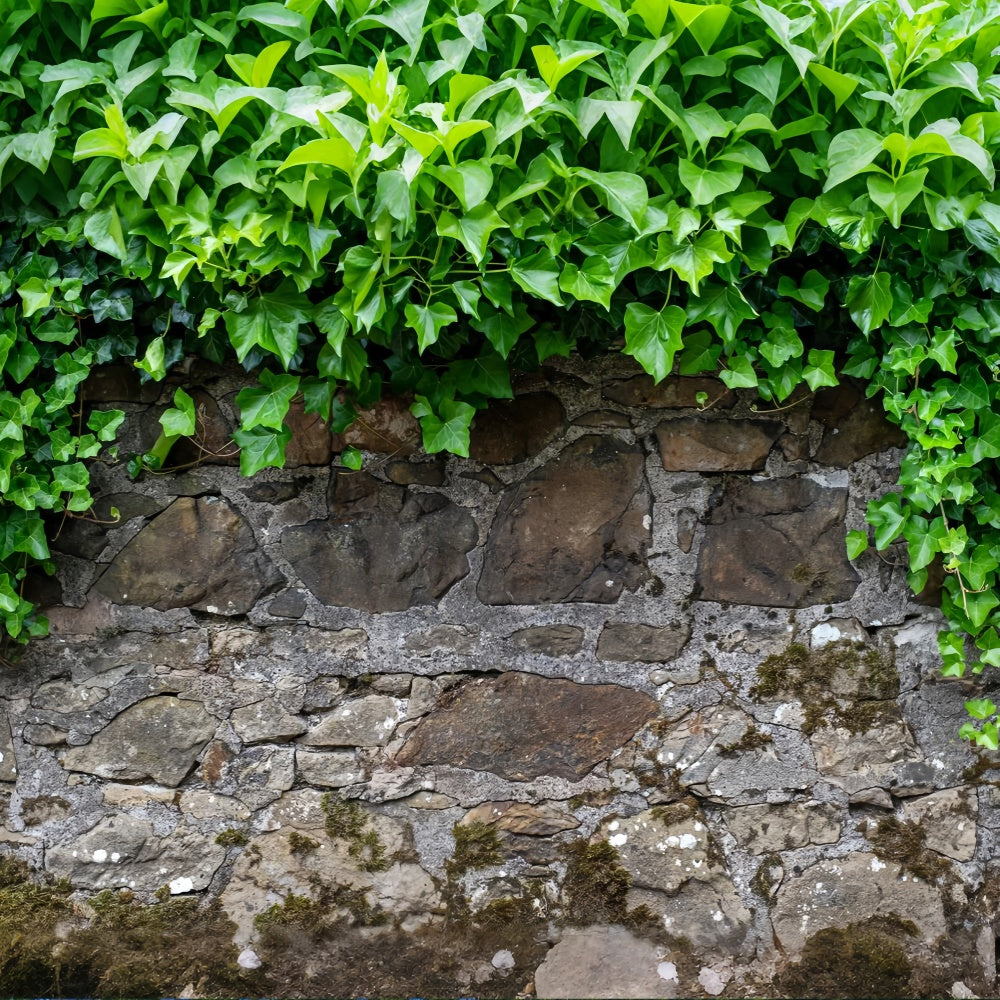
(311,442)
(695,444)
(387,428)
(853,426)
(512,431)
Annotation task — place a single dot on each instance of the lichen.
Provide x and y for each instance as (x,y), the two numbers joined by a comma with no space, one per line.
(752,739)
(347,821)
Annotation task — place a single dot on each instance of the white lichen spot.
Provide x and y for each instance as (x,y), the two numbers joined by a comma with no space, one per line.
(248,959)
(609,583)
(388,723)
(718,916)
(667,971)
(618,839)
(877,865)
(179,885)
(115,856)
(825,633)
(211,609)
(503,959)
(100,856)
(699,826)
(687,841)
(647,521)
(613,825)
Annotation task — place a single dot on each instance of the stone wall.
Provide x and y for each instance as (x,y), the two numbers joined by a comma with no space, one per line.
(601,711)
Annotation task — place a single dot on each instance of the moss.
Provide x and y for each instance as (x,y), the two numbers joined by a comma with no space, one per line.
(905,843)
(477,845)
(752,739)
(299,843)
(293,911)
(861,960)
(347,821)
(596,885)
(768,876)
(232,838)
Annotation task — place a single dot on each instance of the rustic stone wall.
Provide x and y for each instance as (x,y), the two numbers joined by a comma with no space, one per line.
(601,711)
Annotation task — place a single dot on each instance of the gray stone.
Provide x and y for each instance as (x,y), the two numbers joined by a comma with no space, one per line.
(43,735)
(328,769)
(694,444)
(196,554)
(777,543)
(850,890)
(606,962)
(642,643)
(443,639)
(948,818)
(549,640)
(8,763)
(360,722)
(573,530)
(397,685)
(266,722)
(386,550)
(158,738)
(765,828)
(324,692)
(522,818)
(877,798)
(288,604)
(521,726)
(66,697)
(865,759)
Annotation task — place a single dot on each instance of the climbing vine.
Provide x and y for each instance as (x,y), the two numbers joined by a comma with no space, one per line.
(420,196)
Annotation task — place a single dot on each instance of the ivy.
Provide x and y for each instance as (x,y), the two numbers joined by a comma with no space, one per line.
(349,196)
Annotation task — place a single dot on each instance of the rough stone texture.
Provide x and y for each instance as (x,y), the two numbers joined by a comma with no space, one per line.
(642,643)
(777,543)
(515,430)
(310,443)
(520,726)
(196,554)
(849,890)
(765,828)
(550,640)
(158,738)
(867,759)
(522,817)
(365,721)
(571,531)
(694,445)
(606,962)
(948,819)
(266,721)
(8,766)
(385,551)
(853,426)
(328,769)
(388,429)
(675,392)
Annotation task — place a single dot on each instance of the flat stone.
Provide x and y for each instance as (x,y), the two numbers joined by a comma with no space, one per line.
(853,426)
(850,890)
(43,809)
(385,549)
(328,768)
(66,697)
(416,473)
(867,759)
(521,726)
(602,419)
(512,431)
(674,392)
(197,554)
(443,639)
(125,852)
(694,444)
(266,722)
(388,428)
(549,640)
(43,735)
(158,738)
(765,828)
(360,722)
(8,764)
(642,643)
(310,443)
(605,962)
(576,529)
(88,538)
(288,604)
(522,818)
(777,543)
(948,818)
(201,804)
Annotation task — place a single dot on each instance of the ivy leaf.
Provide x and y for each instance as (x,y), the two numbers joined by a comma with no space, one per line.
(869,301)
(179,420)
(270,321)
(708,185)
(472,230)
(428,321)
(593,282)
(818,370)
(895,196)
(261,447)
(887,518)
(652,337)
(850,154)
(447,428)
(811,292)
(692,260)
(952,649)
(538,275)
(701,354)
(267,405)
(857,543)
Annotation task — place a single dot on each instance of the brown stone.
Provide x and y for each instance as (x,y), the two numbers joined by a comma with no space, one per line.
(118,384)
(642,643)
(310,443)
(777,543)
(521,818)
(87,536)
(574,530)
(196,554)
(512,431)
(675,392)
(550,640)
(387,428)
(853,426)
(521,726)
(384,549)
(695,444)
(416,473)
(602,419)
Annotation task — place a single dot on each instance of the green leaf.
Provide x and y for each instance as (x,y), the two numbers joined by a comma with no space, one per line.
(701,354)
(267,405)
(538,275)
(592,282)
(850,154)
(895,196)
(811,293)
(704,21)
(555,64)
(179,420)
(351,458)
(428,321)
(270,321)
(869,301)
(261,447)
(707,185)
(447,428)
(819,369)
(952,649)
(472,230)
(857,543)
(692,260)
(653,337)
(886,516)
(980,708)
(839,84)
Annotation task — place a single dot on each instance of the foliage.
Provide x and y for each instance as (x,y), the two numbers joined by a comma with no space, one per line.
(424,195)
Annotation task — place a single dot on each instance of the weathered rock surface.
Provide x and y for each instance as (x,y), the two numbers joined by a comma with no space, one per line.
(522,818)
(853,426)
(550,640)
(688,444)
(8,767)
(674,392)
(266,721)
(571,531)
(328,769)
(765,828)
(777,543)
(629,643)
(383,550)
(948,819)
(196,554)
(158,738)
(520,726)
(514,430)
(367,721)
(866,758)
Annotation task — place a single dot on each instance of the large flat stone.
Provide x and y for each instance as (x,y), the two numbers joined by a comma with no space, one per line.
(852,426)
(576,529)
(694,444)
(777,543)
(197,554)
(157,738)
(521,726)
(513,431)
(382,548)
(642,643)
(367,721)
(674,392)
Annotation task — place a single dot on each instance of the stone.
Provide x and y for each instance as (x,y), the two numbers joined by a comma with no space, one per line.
(288,604)
(66,697)
(43,735)
(388,428)
(394,684)
(443,639)
(212,442)
(674,392)
(126,852)
(687,524)
(503,959)
(197,554)
(201,804)
(787,827)
(360,722)
(602,419)
(522,818)
(853,426)
(850,890)
(248,959)
(521,726)
(387,550)
(43,809)
(158,738)
(310,443)
(266,722)
(88,538)
(513,430)
(605,962)
(866,758)
(877,798)
(549,640)
(628,643)
(694,444)
(777,543)
(576,529)
(8,763)
(948,819)
(416,473)
(118,384)
(323,692)
(328,769)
